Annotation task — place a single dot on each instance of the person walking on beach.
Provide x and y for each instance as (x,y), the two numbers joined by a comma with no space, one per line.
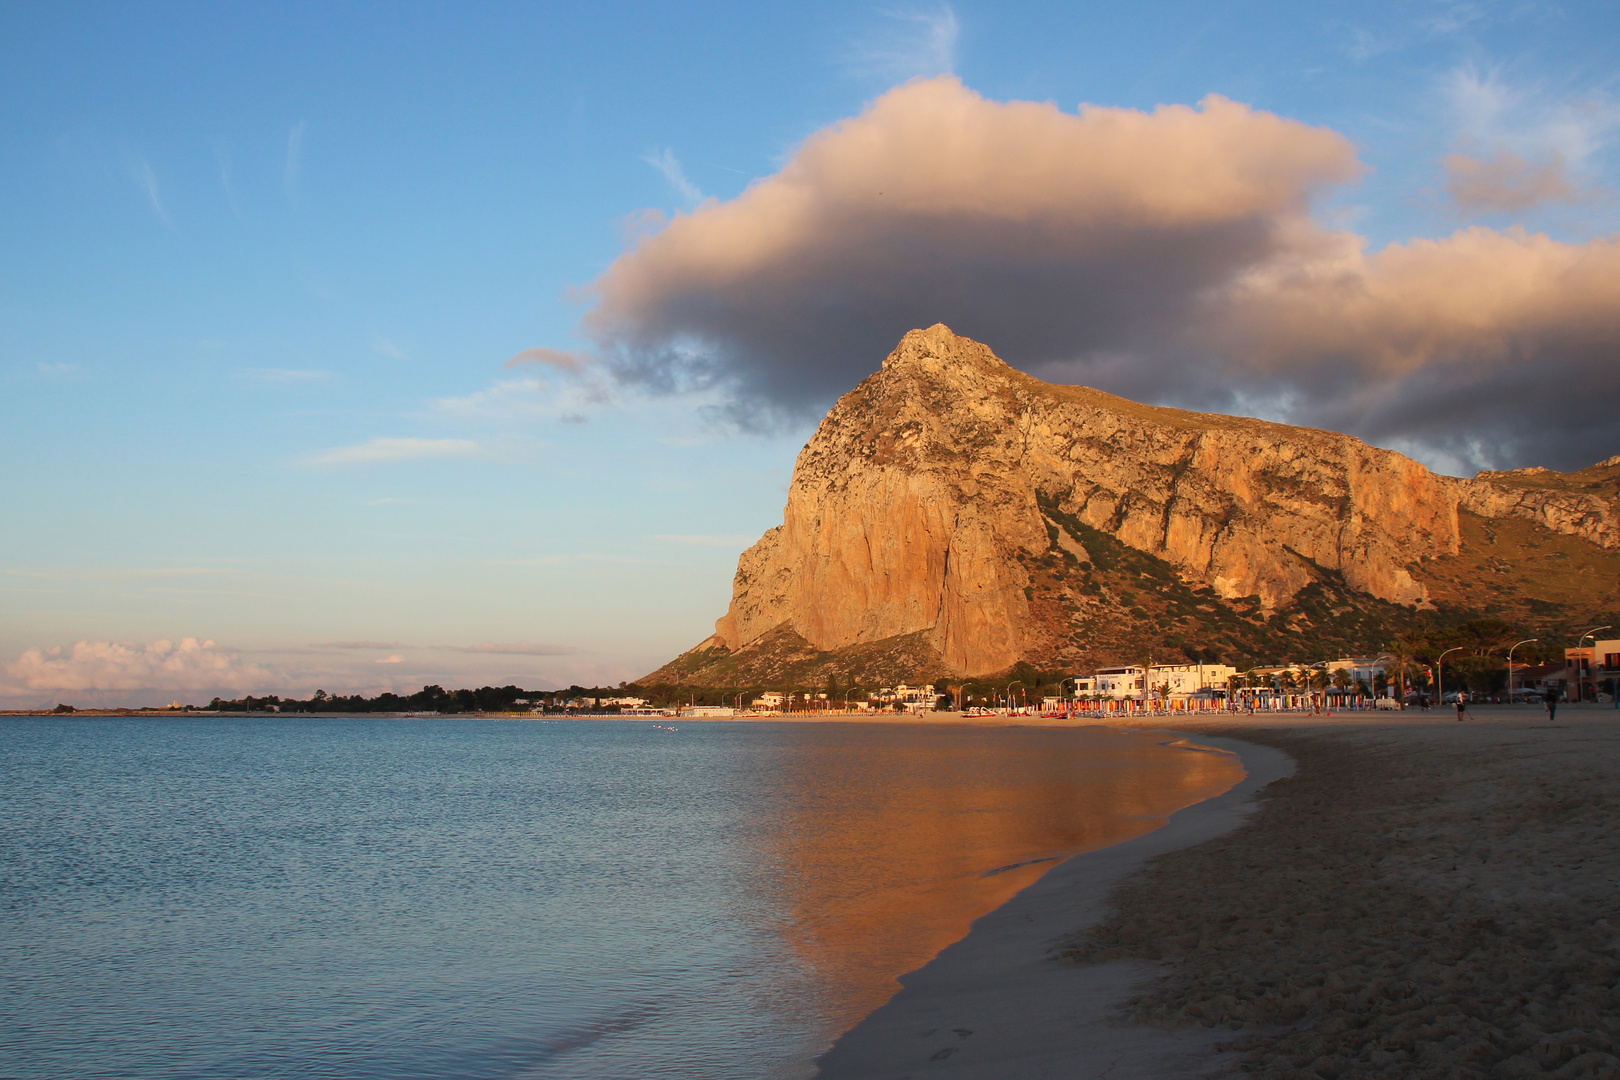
(1552,703)
(1462,704)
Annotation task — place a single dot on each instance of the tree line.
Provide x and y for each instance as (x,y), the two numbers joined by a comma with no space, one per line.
(431,699)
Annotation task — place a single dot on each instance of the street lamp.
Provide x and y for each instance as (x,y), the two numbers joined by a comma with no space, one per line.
(1439,673)
(1580,678)
(1376,660)
(1526,641)
(848,692)
(1015,682)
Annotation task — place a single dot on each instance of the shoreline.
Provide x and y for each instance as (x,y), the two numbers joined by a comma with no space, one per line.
(993,1001)
(1422,898)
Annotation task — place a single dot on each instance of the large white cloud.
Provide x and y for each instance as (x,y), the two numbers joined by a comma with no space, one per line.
(95,670)
(1170,255)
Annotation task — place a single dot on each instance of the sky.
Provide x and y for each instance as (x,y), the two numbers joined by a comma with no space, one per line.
(360,347)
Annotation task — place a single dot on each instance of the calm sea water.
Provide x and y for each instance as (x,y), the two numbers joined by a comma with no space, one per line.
(402,898)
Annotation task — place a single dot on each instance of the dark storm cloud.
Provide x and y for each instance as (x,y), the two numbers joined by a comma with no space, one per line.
(1169,256)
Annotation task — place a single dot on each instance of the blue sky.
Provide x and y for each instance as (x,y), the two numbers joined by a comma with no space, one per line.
(267,265)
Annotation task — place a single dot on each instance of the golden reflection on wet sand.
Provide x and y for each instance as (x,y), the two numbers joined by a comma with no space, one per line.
(892,840)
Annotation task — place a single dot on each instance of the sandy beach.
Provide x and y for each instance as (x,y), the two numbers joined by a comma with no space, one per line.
(1420,897)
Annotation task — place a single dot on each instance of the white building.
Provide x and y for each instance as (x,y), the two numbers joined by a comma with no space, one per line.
(707,710)
(1120,682)
(1591,668)
(916,698)
(1182,680)
(1358,668)
(769,701)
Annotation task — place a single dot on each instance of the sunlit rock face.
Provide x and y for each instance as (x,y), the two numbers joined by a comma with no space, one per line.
(917,504)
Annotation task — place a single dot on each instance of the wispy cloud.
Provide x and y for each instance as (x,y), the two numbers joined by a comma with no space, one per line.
(733,540)
(1529,119)
(222,155)
(910,42)
(666,163)
(362,646)
(385,347)
(395,659)
(149,184)
(507,397)
(547,357)
(407,449)
(284,375)
(292,168)
(123,573)
(517,648)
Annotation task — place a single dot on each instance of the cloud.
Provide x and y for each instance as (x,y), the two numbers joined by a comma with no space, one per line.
(1467,345)
(385,347)
(293,167)
(284,375)
(666,163)
(148,181)
(1169,256)
(912,42)
(395,659)
(1529,120)
(737,540)
(557,358)
(520,648)
(407,449)
(105,666)
(1046,234)
(367,646)
(1505,182)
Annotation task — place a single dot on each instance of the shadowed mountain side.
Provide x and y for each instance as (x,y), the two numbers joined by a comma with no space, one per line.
(954,515)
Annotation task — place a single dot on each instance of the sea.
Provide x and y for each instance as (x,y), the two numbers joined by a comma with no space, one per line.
(440,897)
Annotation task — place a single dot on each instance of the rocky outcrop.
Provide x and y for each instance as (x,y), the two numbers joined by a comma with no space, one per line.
(917,504)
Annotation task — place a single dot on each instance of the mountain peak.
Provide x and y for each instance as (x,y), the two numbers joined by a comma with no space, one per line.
(939,349)
(954,517)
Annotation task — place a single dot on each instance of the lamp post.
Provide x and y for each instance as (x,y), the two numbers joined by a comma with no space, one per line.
(1376,660)
(848,692)
(1015,682)
(1440,671)
(1580,677)
(1526,641)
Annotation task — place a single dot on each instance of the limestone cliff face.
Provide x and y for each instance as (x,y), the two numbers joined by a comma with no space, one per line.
(910,506)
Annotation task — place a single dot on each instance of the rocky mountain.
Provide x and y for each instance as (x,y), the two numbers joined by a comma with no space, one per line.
(953,516)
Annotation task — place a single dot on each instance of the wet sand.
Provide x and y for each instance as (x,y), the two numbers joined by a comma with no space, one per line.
(1422,898)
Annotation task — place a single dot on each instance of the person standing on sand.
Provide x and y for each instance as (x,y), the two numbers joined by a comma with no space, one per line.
(1462,704)
(1552,703)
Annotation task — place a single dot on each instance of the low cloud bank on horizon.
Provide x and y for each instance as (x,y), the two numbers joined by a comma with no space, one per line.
(111,673)
(108,670)
(1170,256)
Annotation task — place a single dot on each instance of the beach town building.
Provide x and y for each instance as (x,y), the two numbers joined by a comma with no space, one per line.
(1120,682)
(1534,680)
(1362,669)
(1185,680)
(1591,669)
(910,698)
(769,701)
